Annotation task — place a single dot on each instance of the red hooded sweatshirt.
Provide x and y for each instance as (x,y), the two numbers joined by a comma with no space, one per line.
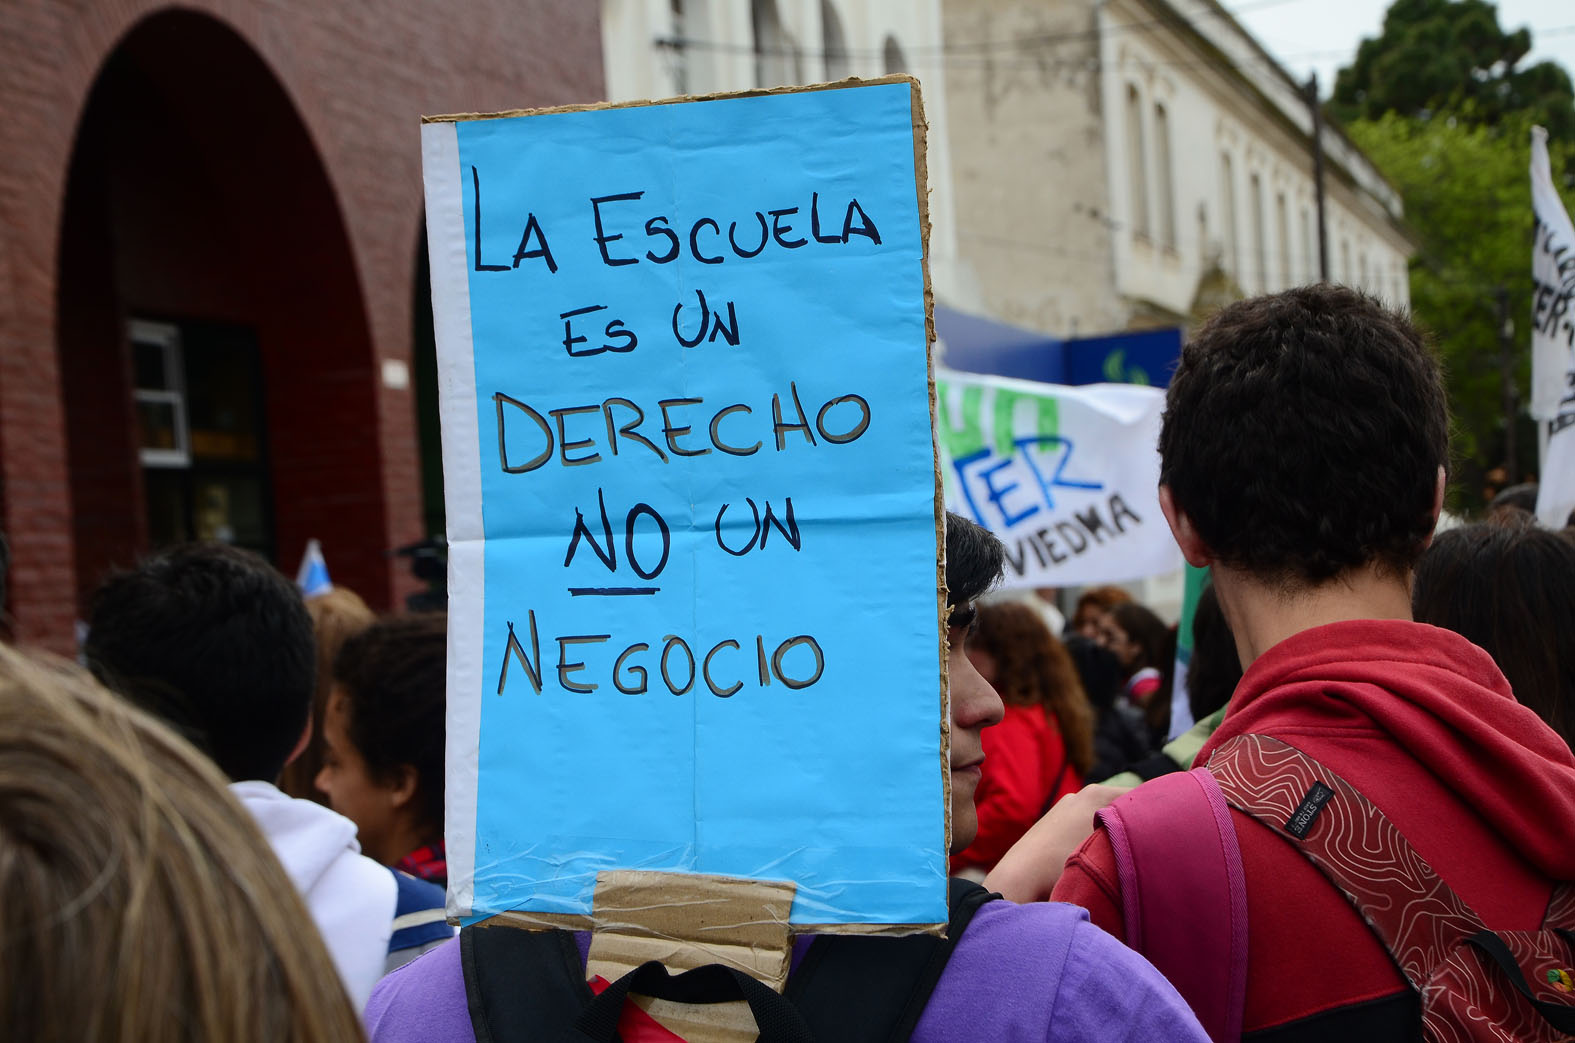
(1425,726)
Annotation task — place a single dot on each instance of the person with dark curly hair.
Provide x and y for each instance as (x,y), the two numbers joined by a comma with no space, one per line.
(383,741)
(1303,455)
(1044,744)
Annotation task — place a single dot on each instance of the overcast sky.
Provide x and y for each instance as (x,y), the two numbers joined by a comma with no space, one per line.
(1322,35)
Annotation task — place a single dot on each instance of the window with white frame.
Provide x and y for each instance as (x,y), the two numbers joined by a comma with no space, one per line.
(1137,163)
(1164,177)
(1260,243)
(1228,216)
(1282,229)
(164,437)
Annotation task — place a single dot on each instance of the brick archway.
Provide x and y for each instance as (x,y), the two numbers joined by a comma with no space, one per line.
(354,80)
(197,199)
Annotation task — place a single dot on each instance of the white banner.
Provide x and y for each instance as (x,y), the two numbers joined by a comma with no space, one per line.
(1067,477)
(1553,278)
(1552,337)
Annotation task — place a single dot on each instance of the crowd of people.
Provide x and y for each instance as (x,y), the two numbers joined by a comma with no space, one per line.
(230,825)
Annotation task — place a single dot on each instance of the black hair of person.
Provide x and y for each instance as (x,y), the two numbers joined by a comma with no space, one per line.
(1508,587)
(1215,667)
(975,559)
(393,678)
(1147,631)
(216,642)
(1303,433)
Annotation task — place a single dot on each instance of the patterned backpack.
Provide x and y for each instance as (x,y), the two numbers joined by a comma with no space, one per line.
(1475,985)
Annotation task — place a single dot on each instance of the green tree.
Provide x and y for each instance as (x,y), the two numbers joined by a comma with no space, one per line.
(1467,194)
(1451,55)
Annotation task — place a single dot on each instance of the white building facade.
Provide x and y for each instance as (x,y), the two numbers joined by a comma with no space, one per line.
(1092,163)
(1209,158)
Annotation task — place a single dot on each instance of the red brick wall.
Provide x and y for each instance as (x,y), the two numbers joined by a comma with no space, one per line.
(359,76)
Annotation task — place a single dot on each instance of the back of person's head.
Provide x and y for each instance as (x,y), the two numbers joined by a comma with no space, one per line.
(215,641)
(337,615)
(389,680)
(138,901)
(1510,590)
(1303,434)
(1515,499)
(1215,667)
(974,560)
(1031,667)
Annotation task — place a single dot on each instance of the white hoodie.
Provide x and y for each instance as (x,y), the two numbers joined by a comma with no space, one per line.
(350,897)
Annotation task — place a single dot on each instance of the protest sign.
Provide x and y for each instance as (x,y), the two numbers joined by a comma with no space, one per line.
(1067,477)
(1552,338)
(1553,285)
(692,501)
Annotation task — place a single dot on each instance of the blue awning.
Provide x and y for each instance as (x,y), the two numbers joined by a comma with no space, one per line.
(975,344)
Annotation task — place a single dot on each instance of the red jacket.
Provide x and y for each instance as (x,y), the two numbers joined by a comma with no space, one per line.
(1025,768)
(1425,726)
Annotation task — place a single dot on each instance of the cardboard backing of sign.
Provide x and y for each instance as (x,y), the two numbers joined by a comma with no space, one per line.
(682,919)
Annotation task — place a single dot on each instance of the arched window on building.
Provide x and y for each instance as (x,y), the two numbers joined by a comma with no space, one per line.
(1345,261)
(892,57)
(834,43)
(1228,216)
(777,59)
(1137,164)
(1260,244)
(1361,270)
(1165,181)
(1282,229)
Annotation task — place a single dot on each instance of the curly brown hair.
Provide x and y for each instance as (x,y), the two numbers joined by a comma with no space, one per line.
(1034,669)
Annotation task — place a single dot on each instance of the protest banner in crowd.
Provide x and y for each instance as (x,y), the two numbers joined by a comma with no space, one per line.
(1066,476)
(692,501)
(1552,337)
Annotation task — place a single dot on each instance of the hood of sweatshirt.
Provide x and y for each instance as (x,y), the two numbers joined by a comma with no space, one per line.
(1443,701)
(306,836)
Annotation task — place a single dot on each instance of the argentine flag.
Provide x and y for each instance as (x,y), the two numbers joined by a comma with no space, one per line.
(312,576)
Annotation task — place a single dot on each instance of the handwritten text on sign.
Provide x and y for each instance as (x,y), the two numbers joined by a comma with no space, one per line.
(1065,476)
(707,500)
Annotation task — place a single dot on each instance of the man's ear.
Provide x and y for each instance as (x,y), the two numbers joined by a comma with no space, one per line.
(403,791)
(1192,546)
(1438,506)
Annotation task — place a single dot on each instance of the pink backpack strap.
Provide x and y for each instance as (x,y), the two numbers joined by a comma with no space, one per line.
(1183,892)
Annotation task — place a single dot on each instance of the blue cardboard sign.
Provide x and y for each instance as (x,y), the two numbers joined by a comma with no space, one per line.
(692,501)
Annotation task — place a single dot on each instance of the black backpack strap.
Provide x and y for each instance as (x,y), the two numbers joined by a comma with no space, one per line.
(1558,1015)
(777,1020)
(522,985)
(875,988)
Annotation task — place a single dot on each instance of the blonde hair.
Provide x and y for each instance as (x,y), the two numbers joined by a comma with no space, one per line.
(337,616)
(138,901)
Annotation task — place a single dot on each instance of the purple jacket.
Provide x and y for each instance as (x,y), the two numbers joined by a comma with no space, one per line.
(1021,972)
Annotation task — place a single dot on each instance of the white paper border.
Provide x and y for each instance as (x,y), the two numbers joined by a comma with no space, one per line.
(462,501)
